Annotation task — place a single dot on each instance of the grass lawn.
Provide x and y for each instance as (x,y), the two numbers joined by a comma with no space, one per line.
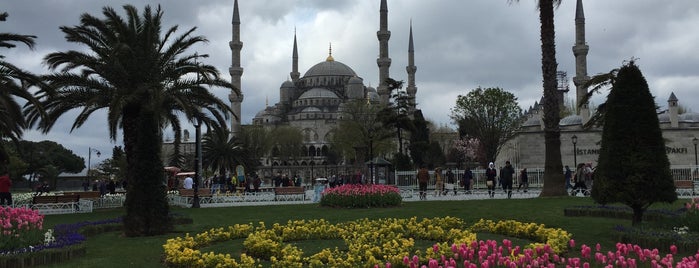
(113,250)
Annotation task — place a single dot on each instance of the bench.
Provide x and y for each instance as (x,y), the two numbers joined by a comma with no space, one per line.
(684,187)
(85,195)
(190,192)
(289,193)
(56,204)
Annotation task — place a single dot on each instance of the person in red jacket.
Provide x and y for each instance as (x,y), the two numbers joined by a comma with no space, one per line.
(5,195)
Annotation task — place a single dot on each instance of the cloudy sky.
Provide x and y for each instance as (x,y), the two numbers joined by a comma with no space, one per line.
(459,45)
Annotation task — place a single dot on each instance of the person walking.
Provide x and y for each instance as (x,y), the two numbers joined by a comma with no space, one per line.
(451,182)
(579,180)
(490,174)
(507,174)
(439,184)
(523,180)
(423,176)
(466,180)
(568,175)
(5,185)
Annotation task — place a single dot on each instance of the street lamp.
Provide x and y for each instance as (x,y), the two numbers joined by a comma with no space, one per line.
(695,141)
(89,158)
(575,150)
(197,162)
(312,163)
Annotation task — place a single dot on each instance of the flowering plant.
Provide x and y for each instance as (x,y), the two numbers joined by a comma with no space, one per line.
(20,227)
(361,196)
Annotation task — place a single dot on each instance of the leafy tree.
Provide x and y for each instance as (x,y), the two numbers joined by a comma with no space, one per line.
(554,183)
(489,115)
(14,83)
(288,142)
(419,139)
(222,152)
(48,159)
(434,156)
(116,165)
(133,72)
(360,130)
(257,141)
(397,113)
(633,166)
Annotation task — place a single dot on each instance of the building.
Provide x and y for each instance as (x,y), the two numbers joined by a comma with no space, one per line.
(313,103)
(578,145)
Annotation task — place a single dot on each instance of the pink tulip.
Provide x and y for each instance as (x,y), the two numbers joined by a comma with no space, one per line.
(598,247)
(673,249)
(572,243)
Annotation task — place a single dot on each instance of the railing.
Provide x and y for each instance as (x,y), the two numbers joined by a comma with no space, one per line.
(408,179)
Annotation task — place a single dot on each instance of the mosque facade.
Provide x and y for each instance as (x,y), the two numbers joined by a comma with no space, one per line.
(314,102)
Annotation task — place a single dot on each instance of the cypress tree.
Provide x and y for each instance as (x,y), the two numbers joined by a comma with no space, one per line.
(633,166)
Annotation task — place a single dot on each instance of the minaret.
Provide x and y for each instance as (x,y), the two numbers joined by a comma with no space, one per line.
(295,63)
(673,110)
(235,71)
(411,68)
(580,52)
(384,62)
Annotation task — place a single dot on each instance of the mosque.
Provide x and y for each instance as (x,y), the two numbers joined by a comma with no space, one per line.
(579,145)
(314,102)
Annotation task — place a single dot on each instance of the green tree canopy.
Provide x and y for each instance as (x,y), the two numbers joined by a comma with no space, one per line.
(633,166)
(137,72)
(14,84)
(490,115)
(222,152)
(360,130)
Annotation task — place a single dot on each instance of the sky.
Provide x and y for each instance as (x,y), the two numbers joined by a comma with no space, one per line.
(459,46)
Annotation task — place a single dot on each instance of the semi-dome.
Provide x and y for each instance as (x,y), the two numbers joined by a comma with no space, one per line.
(288,84)
(354,80)
(330,68)
(533,121)
(315,93)
(571,120)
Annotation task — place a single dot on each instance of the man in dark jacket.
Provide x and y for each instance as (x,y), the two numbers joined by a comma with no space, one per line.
(506,176)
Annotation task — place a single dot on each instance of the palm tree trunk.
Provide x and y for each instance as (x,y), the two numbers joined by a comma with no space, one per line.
(554,182)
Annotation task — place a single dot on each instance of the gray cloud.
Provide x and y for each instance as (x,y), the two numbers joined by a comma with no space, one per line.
(459,45)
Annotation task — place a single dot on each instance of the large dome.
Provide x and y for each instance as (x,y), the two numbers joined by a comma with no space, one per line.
(330,68)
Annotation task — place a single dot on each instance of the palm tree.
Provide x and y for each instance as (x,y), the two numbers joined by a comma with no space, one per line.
(138,76)
(14,83)
(554,184)
(222,152)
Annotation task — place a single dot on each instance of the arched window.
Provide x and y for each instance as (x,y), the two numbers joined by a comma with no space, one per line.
(325,150)
(311,151)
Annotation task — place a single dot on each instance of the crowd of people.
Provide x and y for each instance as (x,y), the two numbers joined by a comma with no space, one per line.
(448,182)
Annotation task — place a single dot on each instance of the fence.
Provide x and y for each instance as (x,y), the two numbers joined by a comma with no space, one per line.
(408,179)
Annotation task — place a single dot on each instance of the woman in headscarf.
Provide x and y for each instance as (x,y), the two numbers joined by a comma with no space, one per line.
(490,174)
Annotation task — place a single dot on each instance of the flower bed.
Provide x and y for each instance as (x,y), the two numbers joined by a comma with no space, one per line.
(369,242)
(361,196)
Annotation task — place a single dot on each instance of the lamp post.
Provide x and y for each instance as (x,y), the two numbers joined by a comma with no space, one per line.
(89,158)
(312,163)
(695,141)
(575,150)
(197,162)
